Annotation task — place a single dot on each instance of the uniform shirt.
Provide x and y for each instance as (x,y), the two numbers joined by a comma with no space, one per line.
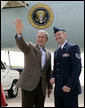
(63,45)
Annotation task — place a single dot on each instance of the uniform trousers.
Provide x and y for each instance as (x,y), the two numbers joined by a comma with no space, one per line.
(66,101)
(33,98)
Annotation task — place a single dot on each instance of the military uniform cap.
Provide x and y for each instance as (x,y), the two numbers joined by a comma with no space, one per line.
(58,29)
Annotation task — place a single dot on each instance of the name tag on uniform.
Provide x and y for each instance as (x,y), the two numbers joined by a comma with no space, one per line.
(65,55)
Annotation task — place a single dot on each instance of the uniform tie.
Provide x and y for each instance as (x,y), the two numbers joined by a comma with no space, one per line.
(59,51)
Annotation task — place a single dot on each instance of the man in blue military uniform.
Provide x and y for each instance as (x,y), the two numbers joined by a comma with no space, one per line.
(66,72)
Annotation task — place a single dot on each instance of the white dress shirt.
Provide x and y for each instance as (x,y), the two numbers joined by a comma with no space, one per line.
(43,58)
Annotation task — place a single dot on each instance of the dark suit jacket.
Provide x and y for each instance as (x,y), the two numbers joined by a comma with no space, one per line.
(32,71)
(67,69)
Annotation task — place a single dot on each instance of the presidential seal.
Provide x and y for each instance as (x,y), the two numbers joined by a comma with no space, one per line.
(40,16)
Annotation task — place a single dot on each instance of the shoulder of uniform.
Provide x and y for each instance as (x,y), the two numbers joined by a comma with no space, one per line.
(76,51)
(73,46)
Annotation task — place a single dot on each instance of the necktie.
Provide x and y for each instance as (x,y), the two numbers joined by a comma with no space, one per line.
(59,51)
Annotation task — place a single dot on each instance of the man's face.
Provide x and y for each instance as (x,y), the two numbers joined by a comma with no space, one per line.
(41,39)
(60,37)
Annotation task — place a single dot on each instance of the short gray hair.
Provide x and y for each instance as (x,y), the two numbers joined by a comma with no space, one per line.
(47,35)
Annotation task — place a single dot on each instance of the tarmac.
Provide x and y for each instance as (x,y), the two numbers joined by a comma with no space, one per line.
(49,102)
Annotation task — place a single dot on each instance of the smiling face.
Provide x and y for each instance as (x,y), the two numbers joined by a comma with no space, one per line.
(60,37)
(41,39)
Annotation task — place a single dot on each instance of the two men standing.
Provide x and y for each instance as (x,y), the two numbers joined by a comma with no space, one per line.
(35,77)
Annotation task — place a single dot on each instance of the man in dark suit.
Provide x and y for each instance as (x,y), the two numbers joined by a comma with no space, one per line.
(66,72)
(35,77)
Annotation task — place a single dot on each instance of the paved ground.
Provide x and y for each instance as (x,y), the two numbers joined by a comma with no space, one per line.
(16,102)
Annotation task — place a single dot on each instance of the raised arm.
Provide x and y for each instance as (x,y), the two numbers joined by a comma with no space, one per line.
(19,38)
(19,26)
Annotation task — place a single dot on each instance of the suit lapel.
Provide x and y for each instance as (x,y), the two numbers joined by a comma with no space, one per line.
(38,54)
(46,58)
(58,52)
